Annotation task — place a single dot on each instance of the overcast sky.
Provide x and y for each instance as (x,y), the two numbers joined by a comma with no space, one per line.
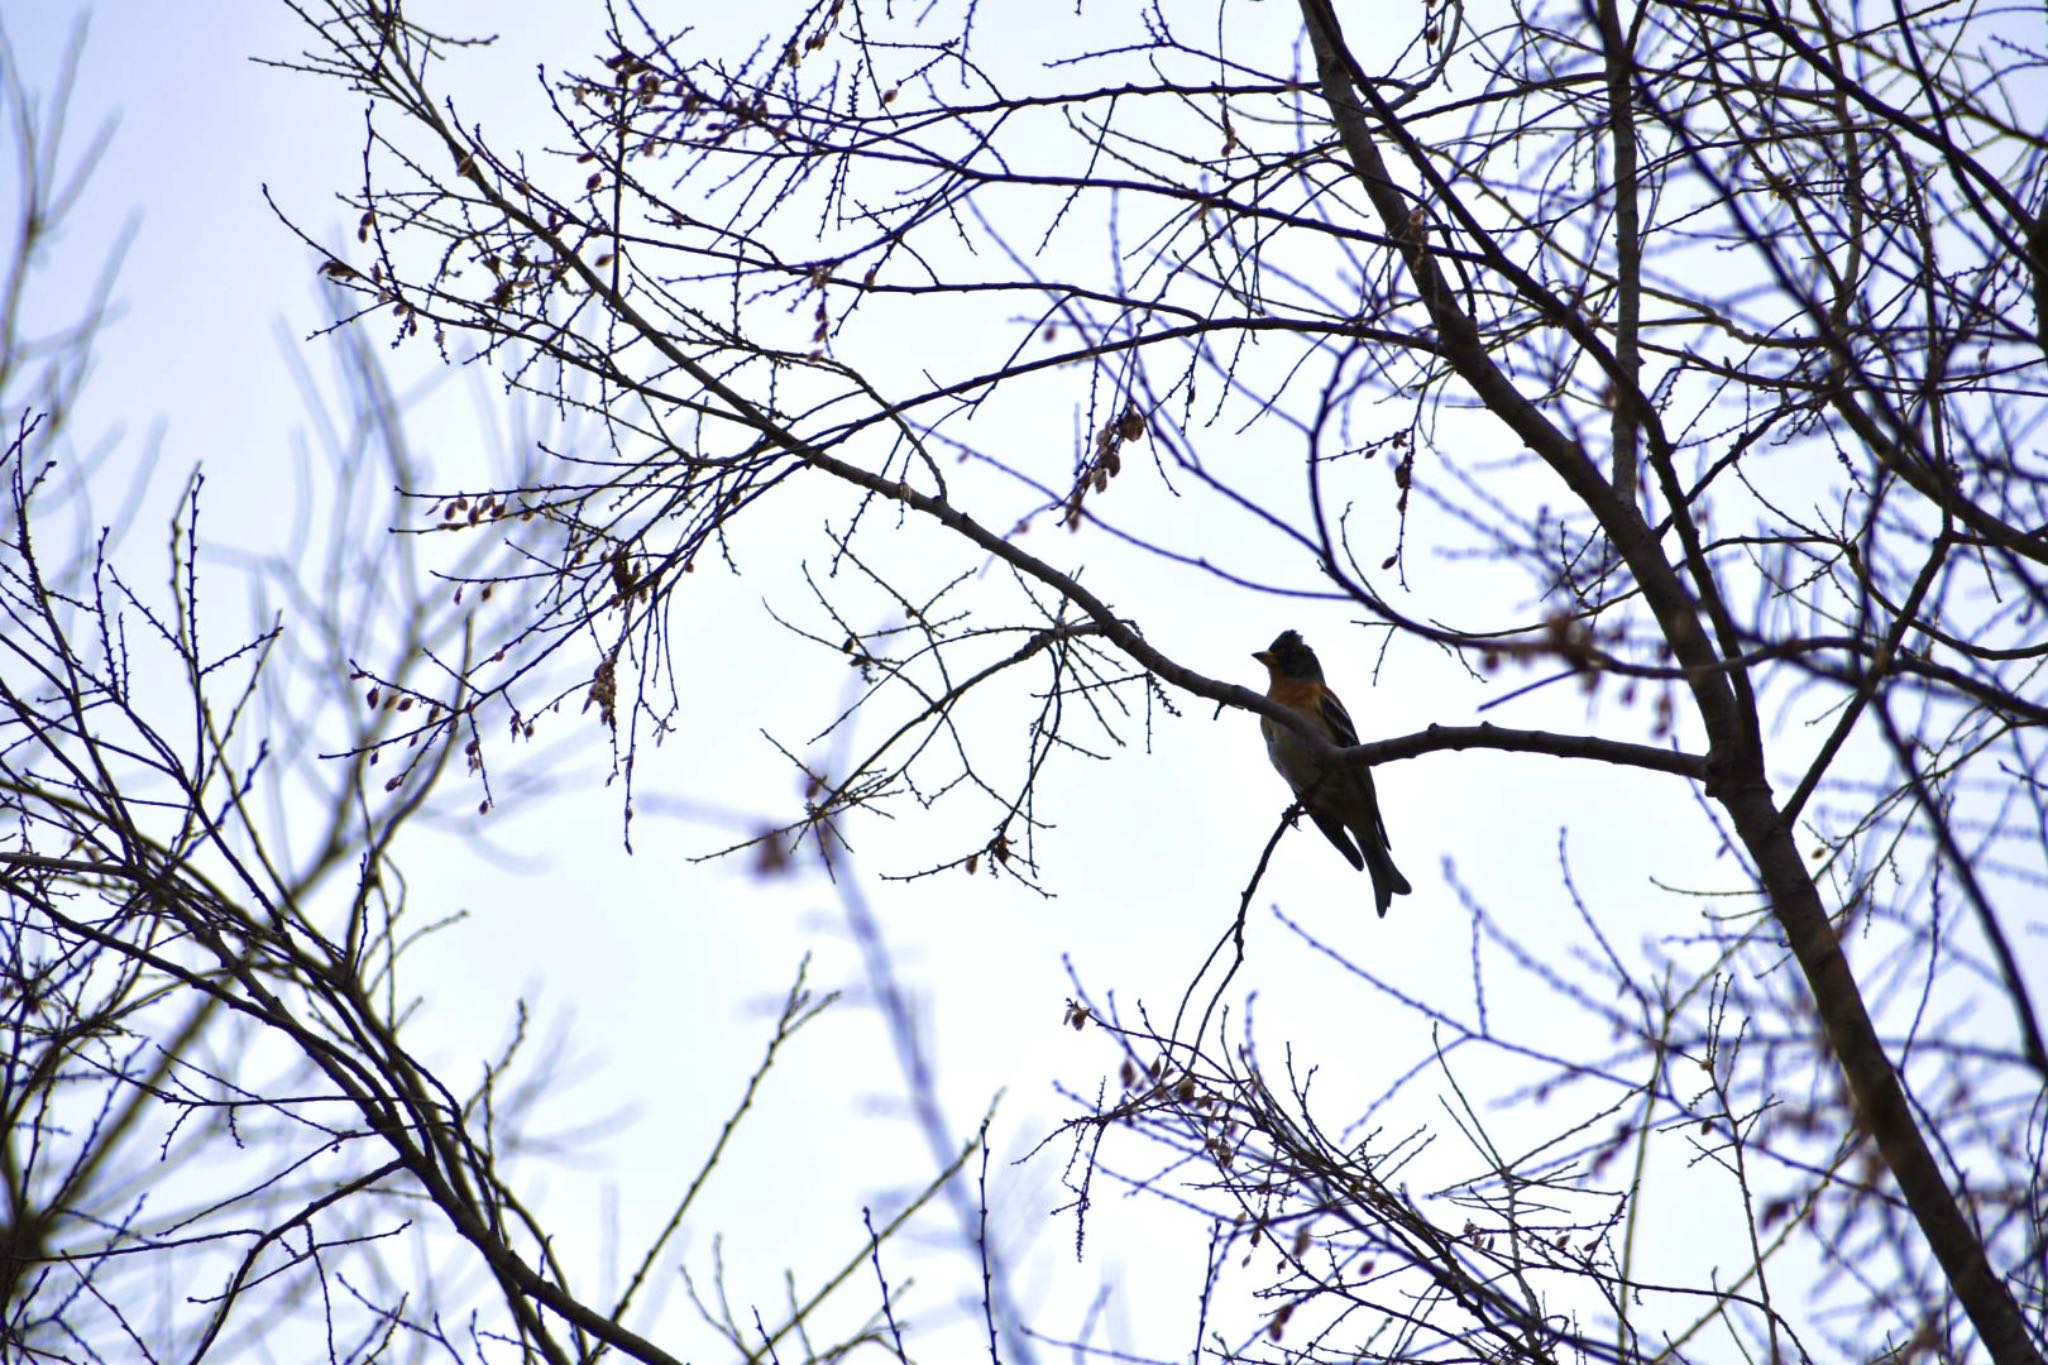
(664,968)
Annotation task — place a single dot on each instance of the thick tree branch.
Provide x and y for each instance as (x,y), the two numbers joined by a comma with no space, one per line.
(1737,777)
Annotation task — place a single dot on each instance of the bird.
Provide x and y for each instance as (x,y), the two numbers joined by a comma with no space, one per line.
(1342,802)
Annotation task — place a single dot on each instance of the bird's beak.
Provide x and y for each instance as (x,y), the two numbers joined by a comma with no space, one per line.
(1263,656)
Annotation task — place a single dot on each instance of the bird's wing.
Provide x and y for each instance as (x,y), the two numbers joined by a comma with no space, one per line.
(1333,830)
(1343,733)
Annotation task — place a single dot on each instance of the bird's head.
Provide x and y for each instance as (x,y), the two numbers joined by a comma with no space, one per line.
(1290,657)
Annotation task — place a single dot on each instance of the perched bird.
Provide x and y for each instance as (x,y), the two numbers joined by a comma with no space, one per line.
(1342,802)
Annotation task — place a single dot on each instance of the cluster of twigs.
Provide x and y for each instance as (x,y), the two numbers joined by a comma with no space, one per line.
(1749,303)
(221,1136)
(1692,350)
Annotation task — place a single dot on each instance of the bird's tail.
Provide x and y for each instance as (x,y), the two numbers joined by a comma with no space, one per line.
(1387,881)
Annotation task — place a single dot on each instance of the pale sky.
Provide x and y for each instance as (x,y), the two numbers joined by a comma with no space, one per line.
(663,969)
